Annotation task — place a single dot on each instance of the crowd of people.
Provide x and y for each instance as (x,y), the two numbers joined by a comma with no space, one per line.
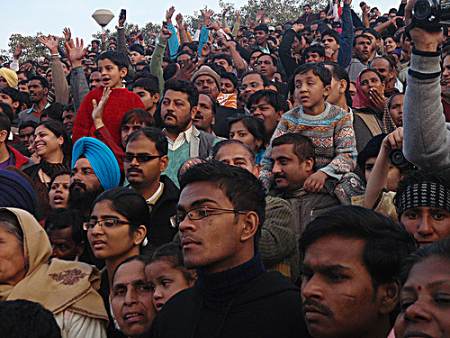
(265,179)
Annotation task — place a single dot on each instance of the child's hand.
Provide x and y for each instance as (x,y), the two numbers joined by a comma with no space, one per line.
(97,111)
(315,182)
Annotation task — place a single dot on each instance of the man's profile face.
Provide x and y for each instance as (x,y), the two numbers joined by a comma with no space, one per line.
(336,289)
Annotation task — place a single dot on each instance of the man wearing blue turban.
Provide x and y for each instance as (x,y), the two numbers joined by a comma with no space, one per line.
(94,170)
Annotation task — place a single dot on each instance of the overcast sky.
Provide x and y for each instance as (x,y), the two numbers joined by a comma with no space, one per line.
(50,17)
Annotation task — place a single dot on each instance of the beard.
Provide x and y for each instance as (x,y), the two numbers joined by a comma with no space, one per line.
(81,198)
(180,126)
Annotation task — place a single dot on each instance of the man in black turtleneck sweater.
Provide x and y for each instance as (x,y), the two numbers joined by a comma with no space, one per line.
(220,211)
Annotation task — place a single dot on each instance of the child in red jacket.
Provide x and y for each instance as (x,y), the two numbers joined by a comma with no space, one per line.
(114,67)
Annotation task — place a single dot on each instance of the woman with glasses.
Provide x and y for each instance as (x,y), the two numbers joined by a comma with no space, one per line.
(116,231)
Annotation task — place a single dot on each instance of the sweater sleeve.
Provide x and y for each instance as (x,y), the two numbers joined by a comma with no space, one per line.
(79,86)
(345,149)
(173,42)
(426,138)
(59,81)
(83,120)
(156,65)
(278,240)
(203,39)
(287,60)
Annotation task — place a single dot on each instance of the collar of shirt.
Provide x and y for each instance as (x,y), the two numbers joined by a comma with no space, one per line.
(182,137)
(155,197)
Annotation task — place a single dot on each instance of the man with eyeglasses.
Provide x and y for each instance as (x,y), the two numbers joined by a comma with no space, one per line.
(144,161)
(94,170)
(219,214)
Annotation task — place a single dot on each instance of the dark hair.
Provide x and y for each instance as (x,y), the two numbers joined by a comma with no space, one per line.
(54,111)
(391,99)
(254,126)
(57,128)
(223,56)
(372,31)
(230,76)
(361,36)
(253,52)
(214,103)
(41,79)
(389,59)
(339,73)
(7,110)
(144,259)
(65,218)
(264,78)
(185,52)
(262,27)
(23,318)
(439,249)
(150,83)
(27,124)
(182,86)
(137,115)
(386,243)
(120,59)
(317,69)
(319,49)
(367,70)
(303,146)
(272,57)
(13,93)
(224,143)
(153,134)
(241,187)
(172,254)
(332,33)
(129,204)
(270,96)
(5,123)
(59,173)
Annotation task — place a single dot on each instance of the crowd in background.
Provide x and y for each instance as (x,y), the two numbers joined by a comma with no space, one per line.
(268,179)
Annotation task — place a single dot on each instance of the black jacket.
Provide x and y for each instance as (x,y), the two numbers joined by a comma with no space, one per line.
(265,306)
(161,230)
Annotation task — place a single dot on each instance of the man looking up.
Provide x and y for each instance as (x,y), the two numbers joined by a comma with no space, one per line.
(144,161)
(352,259)
(219,214)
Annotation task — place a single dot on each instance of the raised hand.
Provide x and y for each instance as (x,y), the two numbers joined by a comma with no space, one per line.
(67,34)
(207,14)
(169,14)
(260,15)
(51,42)
(98,108)
(165,34)
(17,51)
(75,51)
(179,20)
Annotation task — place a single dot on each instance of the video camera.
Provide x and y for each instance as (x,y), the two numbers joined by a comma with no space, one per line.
(431,14)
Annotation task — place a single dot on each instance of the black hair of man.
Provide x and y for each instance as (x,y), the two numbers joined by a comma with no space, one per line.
(387,243)
(43,81)
(317,48)
(265,80)
(339,73)
(5,123)
(222,56)
(214,103)
(185,87)
(7,110)
(23,318)
(232,77)
(303,146)
(137,115)
(332,33)
(153,134)
(120,59)
(66,218)
(439,249)
(271,97)
(150,83)
(262,27)
(361,36)
(373,32)
(215,150)
(317,69)
(13,93)
(273,57)
(241,187)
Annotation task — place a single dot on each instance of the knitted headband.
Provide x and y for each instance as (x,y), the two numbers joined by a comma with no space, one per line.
(424,194)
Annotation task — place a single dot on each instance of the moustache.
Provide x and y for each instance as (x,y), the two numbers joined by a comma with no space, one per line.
(134,170)
(312,305)
(77,184)
(275,176)
(170,115)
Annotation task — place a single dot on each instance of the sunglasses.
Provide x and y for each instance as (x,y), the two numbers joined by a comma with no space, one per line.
(141,158)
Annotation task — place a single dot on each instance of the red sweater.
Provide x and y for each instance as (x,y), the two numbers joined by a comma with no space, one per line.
(120,101)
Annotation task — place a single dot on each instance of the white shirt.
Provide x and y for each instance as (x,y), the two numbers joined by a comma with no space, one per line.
(185,136)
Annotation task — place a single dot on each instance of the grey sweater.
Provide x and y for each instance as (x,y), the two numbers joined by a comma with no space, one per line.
(426,135)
